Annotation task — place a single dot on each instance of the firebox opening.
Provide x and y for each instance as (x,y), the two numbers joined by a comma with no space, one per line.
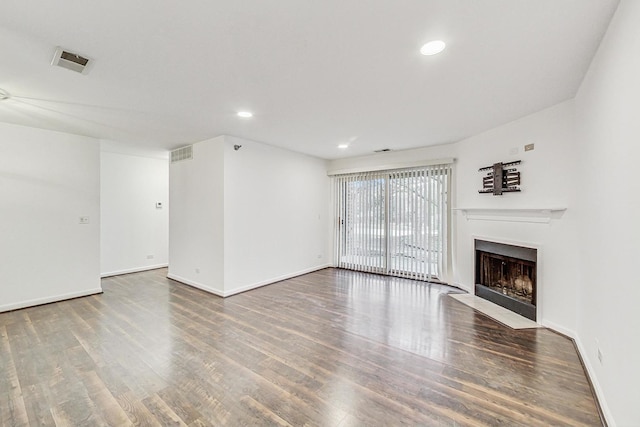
(506,275)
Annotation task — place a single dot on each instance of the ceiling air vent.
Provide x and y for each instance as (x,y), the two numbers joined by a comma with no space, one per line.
(383,150)
(71,61)
(184,153)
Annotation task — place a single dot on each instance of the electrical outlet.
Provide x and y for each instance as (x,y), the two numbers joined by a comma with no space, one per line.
(529,147)
(84,220)
(197,271)
(319,256)
(150,256)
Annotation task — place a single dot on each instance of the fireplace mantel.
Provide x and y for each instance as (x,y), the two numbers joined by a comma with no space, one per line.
(535,215)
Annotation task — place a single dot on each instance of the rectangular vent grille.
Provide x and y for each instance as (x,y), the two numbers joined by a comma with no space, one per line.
(184,153)
(77,59)
(71,61)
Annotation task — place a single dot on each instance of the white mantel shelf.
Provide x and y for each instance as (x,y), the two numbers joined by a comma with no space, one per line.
(536,215)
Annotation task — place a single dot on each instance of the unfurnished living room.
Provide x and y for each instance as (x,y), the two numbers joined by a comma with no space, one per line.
(331,213)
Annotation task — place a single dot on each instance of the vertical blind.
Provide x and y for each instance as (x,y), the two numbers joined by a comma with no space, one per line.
(394,222)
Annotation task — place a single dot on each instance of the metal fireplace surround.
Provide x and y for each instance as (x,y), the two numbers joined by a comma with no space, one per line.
(506,275)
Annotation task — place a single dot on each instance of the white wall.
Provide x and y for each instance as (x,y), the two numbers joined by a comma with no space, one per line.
(608,106)
(246,218)
(549,180)
(48,180)
(276,214)
(196,217)
(394,158)
(134,234)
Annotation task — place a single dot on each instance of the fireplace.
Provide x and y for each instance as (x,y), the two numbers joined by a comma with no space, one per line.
(506,275)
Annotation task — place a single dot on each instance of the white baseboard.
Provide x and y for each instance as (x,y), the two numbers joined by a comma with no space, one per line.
(50,299)
(274,280)
(195,284)
(597,388)
(132,270)
(561,329)
(463,287)
(246,288)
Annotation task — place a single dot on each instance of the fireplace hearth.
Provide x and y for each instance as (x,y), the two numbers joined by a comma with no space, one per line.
(506,275)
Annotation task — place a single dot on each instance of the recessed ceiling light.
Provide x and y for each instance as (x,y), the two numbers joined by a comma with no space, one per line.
(433,47)
(245,114)
(343,146)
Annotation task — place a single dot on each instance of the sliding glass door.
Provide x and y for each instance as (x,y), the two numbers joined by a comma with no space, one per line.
(362,231)
(394,222)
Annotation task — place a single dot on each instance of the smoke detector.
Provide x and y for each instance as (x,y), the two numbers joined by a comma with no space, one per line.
(71,61)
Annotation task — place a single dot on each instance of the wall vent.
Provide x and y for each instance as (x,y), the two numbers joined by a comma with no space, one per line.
(180,154)
(71,61)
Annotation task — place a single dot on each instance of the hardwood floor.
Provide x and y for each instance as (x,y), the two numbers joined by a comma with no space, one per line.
(333,347)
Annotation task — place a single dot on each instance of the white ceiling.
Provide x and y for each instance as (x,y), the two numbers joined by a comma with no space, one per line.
(316,73)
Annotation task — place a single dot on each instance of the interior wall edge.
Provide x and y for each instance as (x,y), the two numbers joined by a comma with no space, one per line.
(462,286)
(601,401)
(195,284)
(49,299)
(275,280)
(133,270)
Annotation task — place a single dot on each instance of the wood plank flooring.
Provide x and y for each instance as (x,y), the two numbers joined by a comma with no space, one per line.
(331,348)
